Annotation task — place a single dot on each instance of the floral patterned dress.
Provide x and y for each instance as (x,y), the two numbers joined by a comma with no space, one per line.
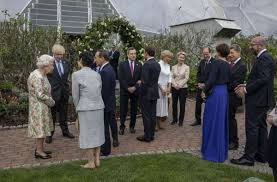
(40,120)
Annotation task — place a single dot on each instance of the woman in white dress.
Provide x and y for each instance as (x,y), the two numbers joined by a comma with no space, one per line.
(164,87)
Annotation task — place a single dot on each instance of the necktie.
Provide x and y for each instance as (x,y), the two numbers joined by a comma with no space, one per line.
(132,69)
(60,69)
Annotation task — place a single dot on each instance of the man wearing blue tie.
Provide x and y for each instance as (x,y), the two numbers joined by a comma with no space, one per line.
(60,90)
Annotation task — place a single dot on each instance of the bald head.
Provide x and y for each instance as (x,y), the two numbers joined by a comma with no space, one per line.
(260,40)
(257,44)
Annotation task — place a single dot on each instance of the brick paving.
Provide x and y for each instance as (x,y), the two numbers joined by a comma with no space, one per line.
(18,150)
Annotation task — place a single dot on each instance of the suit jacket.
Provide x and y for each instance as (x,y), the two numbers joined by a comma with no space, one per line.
(114,58)
(219,74)
(60,85)
(238,75)
(86,90)
(203,70)
(149,77)
(125,78)
(260,83)
(108,87)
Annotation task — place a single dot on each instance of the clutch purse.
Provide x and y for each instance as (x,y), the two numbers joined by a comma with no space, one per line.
(272,116)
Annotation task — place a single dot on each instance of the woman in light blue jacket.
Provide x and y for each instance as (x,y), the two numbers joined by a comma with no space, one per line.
(86,93)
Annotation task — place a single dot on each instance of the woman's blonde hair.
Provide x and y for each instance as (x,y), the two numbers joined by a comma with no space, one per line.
(44,60)
(58,48)
(166,53)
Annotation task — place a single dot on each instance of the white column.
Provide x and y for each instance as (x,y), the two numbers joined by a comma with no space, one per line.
(59,17)
(89,11)
(28,18)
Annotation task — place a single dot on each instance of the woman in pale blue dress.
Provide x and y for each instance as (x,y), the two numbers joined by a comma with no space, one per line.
(87,98)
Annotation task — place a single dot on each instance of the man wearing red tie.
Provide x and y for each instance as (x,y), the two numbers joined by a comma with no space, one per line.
(129,77)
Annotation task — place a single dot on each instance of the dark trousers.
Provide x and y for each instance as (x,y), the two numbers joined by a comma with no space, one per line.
(256,131)
(234,103)
(180,95)
(124,100)
(115,66)
(275,174)
(113,126)
(148,109)
(198,105)
(108,119)
(60,108)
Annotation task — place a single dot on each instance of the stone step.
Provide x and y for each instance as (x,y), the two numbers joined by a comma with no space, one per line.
(44,11)
(75,18)
(44,22)
(98,1)
(75,3)
(74,30)
(74,24)
(75,13)
(75,8)
(46,6)
(97,14)
(43,17)
(48,2)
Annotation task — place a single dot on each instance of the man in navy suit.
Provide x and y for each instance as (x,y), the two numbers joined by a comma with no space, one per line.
(259,98)
(149,93)
(238,75)
(202,76)
(129,76)
(108,95)
(60,90)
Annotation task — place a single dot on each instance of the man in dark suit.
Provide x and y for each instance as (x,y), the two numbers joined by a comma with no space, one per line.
(108,95)
(114,58)
(60,90)
(259,97)
(129,77)
(149,94)
(238,74)
(202,73)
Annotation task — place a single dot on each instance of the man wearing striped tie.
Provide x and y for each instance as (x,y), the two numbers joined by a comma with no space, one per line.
(60,90)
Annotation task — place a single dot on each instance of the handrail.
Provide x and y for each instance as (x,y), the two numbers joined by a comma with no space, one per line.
(26,6)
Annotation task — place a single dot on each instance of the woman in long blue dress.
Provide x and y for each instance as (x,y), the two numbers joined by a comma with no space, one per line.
(215,124)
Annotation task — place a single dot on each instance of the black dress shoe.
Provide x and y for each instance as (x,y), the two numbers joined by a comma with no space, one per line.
(180,124)
(115,143)
(242,161)
(39,156)
(47,151)
(121,131)
(143,139)
(68,135)
(260,159)
(132,130)
(173,123)
(48,139)
(196,123)
(233,146)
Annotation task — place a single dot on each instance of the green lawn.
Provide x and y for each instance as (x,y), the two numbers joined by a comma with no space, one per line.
(158,168)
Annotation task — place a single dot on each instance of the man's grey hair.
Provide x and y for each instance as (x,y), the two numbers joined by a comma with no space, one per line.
(236,47)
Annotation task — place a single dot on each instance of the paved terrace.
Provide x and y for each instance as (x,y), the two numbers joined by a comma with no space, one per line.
(17,150)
